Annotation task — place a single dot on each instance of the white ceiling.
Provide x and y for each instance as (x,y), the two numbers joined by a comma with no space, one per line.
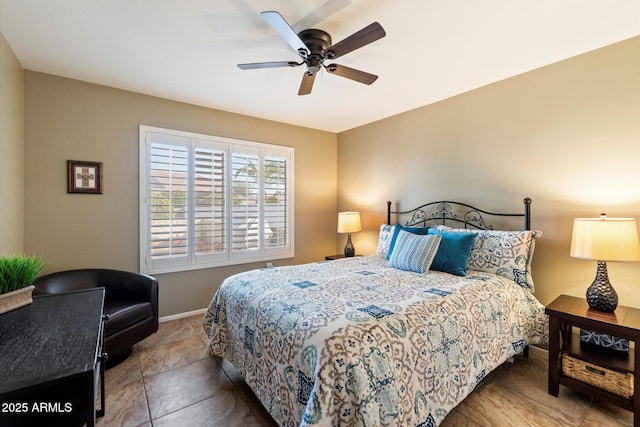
(187,50)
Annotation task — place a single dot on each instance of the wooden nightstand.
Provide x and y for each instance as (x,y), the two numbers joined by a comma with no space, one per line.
(567,312)
(334,257)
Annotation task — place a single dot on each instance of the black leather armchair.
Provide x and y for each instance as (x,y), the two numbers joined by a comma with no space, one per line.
(130,306)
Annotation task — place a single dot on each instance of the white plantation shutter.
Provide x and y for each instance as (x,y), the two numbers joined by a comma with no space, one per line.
(209,204)
(246,223)
(167,199)
(207,201)
(276,208)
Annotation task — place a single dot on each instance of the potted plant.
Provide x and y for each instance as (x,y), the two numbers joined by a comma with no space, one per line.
(17,273)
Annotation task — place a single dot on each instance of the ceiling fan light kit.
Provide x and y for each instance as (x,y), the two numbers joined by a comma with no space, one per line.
(315,47)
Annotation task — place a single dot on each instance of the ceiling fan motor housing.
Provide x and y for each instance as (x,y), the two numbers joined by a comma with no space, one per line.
(317,41)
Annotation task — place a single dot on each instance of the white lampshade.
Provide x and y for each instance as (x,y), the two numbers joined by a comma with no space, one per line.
(349,222)
(605,239)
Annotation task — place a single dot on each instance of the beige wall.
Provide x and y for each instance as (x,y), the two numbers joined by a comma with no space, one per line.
(566,135)
(71,120)
(11,150)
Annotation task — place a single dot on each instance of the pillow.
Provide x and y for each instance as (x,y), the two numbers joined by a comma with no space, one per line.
(384,238)
(453,252)
(414,252)
(415,230)
(505,253)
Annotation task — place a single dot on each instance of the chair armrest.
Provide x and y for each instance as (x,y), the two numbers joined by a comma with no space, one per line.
(125,285)
(128,286)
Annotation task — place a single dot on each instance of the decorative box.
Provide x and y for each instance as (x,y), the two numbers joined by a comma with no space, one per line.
(603,340)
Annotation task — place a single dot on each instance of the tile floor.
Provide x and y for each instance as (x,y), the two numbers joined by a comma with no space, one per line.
(170,380)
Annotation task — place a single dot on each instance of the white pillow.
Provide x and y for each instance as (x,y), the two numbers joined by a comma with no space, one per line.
(384,238)
(505,253)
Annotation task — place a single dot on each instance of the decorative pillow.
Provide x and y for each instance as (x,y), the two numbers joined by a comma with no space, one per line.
(415,230)
(453,252)
(505,253)
(384,238)
(414,252)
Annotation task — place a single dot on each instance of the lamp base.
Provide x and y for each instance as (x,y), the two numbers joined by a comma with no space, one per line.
(600,295)
(349,250)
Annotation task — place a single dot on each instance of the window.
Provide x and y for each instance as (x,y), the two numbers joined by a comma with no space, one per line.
(208,201)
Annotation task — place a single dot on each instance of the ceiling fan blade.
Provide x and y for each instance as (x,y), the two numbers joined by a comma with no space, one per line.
(351,73)
(254,65)
(368,34)
(286,32)
(307,83)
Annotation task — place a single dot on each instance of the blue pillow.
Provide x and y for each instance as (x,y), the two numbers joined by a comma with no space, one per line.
(414,252)
(415,230)
(453,253)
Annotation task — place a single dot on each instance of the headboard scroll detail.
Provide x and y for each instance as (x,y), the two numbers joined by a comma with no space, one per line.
(444,212)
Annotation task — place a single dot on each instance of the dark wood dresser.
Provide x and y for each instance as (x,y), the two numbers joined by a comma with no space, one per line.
(51,361)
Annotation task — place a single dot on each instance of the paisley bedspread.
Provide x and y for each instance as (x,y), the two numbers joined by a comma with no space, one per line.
(355,342)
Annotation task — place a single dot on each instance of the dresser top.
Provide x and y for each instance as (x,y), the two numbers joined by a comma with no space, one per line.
(54,337)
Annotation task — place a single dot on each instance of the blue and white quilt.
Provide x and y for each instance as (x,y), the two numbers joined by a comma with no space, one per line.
(355,342)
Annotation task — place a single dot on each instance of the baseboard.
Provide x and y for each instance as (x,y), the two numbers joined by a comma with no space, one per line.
(539,351)
(181,315)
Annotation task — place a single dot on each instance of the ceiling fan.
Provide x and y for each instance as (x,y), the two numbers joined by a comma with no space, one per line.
(314,48)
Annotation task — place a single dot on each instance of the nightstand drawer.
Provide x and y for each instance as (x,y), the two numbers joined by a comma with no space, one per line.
(620,383)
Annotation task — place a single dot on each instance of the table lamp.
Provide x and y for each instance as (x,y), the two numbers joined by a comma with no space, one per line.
(349,222)
(604,239)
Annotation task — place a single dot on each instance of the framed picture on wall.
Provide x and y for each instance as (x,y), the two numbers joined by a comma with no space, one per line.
(84,177)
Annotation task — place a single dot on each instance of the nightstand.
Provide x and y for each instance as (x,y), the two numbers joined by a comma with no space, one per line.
(334,257)
(567,312)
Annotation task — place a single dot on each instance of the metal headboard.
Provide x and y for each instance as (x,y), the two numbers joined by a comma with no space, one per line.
(456,212)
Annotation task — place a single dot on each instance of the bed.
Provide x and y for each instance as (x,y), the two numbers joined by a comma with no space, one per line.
(379,340)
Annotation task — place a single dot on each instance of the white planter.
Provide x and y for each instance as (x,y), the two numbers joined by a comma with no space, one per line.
(12,300)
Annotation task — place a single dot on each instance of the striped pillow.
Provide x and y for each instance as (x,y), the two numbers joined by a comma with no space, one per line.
(414,252)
